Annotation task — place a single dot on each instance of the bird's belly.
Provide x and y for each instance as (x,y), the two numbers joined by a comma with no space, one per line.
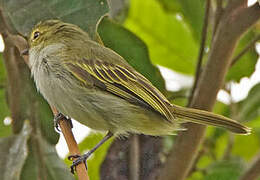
(73,101)
(80,109)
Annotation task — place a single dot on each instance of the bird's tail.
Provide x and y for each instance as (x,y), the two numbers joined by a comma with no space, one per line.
(208,118)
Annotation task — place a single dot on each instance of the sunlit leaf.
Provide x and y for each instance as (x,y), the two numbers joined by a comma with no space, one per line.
(255,125)
(171,6)
(168,38)
(193,12)
(220,145)
(196,176)
(246,146)
(205,161)
(221,108)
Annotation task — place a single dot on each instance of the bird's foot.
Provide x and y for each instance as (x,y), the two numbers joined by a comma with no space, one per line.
(78,159)
(57,120)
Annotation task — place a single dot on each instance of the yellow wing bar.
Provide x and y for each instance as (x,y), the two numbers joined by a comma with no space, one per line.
(124,83)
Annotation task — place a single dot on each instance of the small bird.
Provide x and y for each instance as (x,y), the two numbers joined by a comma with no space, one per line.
(97,87)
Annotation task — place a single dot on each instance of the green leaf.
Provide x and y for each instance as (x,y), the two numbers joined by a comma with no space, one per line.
(255,125)
(5,130)
(167,36)
(221,108)
(249,108)
(22,15)
(4,110)
(2,71)
(205,161)
(225,170)
(193,12)
(245,66)
(220,143)
(131,48)
(196,176)
(13,153)
(96,159)
(171,6)
(246,146)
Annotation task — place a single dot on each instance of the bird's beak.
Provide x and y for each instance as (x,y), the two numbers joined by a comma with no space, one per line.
(25,52)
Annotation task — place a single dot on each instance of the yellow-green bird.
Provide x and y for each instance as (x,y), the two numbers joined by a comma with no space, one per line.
(94,85)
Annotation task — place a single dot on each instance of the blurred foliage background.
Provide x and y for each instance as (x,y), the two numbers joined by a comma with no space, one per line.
(146,33)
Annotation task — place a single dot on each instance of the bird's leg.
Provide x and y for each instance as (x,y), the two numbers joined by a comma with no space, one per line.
(84,157)
(59,117)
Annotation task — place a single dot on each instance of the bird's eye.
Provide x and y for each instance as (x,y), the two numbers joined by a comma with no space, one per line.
(36,35)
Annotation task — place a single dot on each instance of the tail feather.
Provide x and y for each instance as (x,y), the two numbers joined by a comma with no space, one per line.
(208,118)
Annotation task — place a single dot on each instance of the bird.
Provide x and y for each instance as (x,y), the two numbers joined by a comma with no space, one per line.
(94,85)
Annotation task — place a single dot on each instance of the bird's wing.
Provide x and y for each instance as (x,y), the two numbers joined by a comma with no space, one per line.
(122,82)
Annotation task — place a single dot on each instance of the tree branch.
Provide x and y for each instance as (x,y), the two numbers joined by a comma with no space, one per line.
(201,51)
(187,143)
(252,173)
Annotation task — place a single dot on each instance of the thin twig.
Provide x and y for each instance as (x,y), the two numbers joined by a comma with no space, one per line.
(72,145)
(250,45)
(201,51)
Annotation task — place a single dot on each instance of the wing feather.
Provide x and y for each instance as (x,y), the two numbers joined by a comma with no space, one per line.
(122,82)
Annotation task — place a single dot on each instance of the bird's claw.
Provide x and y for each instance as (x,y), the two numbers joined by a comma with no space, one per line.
(78,159)
(57,119)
